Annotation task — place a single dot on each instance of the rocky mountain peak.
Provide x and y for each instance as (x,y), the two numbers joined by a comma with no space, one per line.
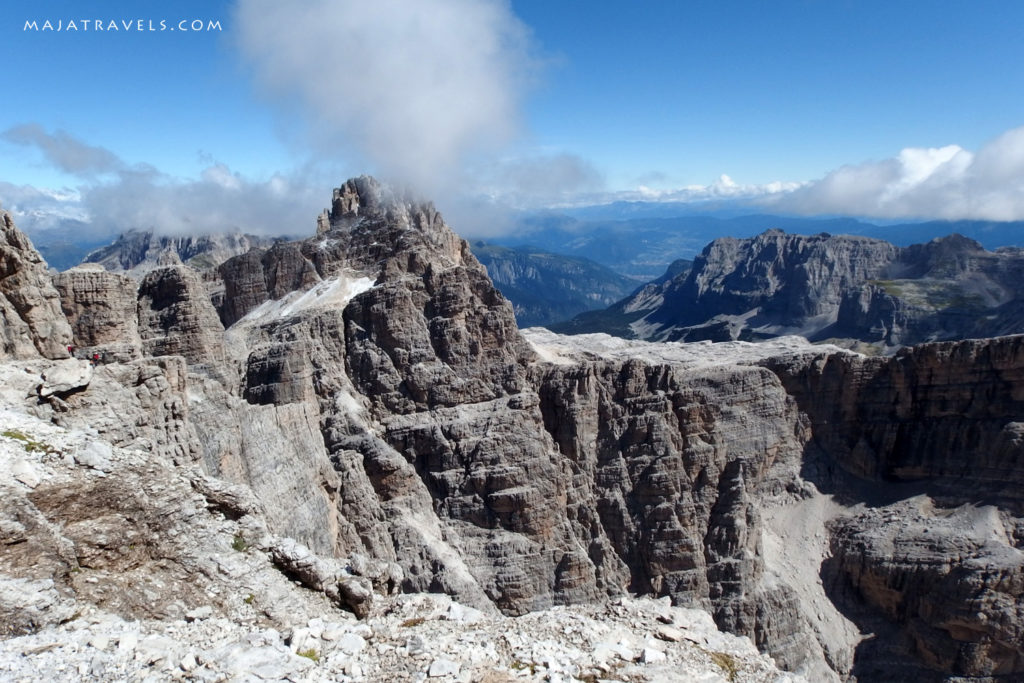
(948,256)
(360,196)
(14,237)
(375,228)
(365,197)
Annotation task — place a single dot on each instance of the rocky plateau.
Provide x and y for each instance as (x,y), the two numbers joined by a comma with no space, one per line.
(278,454)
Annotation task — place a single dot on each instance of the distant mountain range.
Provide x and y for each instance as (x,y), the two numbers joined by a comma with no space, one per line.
(635,239)
(588,266)
(546,288)
(853,290)
(644,246)
(142,250)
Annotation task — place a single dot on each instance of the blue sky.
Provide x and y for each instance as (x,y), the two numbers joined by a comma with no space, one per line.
(879,109)
(773,91)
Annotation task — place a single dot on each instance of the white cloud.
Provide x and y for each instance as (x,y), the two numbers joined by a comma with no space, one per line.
(219,201)
(722,189)
(142,197)
(945,182)
(64,151)
(35,209)
(417,89)
(539,180)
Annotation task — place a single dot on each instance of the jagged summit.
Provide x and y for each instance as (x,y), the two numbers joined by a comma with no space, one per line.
(365,197)
(374,228)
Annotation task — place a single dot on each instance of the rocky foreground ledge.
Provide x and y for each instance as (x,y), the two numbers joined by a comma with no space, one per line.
(412,638)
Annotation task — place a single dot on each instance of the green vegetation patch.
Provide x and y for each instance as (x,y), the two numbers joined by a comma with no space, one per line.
(30,444)
(310,654)
(931,294)
(520,665)
(889,287)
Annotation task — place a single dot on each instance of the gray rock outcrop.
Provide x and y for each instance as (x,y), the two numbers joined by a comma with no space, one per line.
(101,308)
(176,318)
(31,323)
(258,275)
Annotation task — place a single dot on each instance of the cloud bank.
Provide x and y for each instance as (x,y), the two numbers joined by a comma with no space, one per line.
(416,89)
(114,196)
(947,183)
(722,189)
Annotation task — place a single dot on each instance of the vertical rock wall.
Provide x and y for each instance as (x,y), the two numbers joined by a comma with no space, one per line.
(31,321)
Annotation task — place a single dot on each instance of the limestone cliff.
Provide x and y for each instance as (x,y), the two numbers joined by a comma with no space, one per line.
(101,308)
(31,322)
(365,393)
(931,440)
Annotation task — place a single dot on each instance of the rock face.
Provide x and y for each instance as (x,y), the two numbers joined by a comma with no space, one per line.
(950,578)
(948,414)
(767,285)
(361,412)
(29,305)
(101,308)
(935,567)
(258,275)
(671,461)
(856,289)
(176,317)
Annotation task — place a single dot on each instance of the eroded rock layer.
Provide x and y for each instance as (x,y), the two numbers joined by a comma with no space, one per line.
(367,394)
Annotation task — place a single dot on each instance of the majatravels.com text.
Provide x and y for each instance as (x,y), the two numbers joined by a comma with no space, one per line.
(123,25)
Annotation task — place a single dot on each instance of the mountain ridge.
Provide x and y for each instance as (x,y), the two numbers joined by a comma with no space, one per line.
(366,392)
(826,287)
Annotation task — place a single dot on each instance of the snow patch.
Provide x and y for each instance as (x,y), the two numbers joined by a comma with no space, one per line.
(332,293)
